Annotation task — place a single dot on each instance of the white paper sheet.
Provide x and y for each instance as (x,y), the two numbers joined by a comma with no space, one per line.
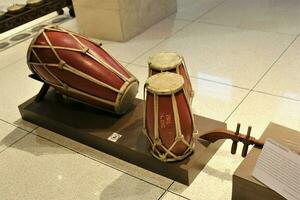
(279,169)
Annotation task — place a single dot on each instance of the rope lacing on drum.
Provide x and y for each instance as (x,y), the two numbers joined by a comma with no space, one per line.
(61,64)
(64,66)
(65,87)
(85,50)
(167,155)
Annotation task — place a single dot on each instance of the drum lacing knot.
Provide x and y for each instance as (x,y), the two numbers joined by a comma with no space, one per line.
(195,133)
(157,142)
(179,138)
(61,64)
(65,86)
(163,157)
(55,26)
(192,93)
(85,50)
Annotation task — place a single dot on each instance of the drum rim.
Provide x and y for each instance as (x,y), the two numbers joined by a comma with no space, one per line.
(120,107)
(19,8)
(2,14)
(29,50)
(34,2)
(164,91)
(164,67)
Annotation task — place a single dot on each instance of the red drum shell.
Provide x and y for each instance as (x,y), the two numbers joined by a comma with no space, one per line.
(166,123)
(67,60)
(167,126)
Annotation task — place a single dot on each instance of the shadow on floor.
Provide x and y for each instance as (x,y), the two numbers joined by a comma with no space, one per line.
(126,187)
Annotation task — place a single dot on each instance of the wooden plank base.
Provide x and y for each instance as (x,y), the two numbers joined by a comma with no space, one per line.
(93,127)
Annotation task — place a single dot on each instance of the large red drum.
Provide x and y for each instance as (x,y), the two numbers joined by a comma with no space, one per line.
(171,62)
(168,120)
(80,68)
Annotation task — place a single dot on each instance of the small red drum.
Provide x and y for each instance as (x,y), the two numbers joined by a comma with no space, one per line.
(171,62)
(168,120)
(81,69)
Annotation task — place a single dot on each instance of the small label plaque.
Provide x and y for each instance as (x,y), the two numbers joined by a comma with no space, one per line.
(114,137)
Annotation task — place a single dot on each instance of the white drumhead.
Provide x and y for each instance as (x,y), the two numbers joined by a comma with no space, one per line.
(34,2)
(165,83)
(2,14)
(164,61)
(15,7)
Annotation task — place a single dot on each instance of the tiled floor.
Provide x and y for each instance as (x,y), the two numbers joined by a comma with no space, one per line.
(243,57)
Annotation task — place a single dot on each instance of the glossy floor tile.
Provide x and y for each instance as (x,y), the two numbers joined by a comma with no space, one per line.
(259,110)
(9,134)
(13,55)
(105,158)
(215,181)
(283,78)
(35,168)
(171,196)
(266,15)
(71,25)
(130,50)
(181,3)
(208,95)
(16,87)
(193,9)
(227,55)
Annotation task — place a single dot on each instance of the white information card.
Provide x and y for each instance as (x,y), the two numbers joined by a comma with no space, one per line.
(114,137)
(279,168)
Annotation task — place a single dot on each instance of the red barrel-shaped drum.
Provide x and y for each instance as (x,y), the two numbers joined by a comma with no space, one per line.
(168,120)
(171,62)
(80,68)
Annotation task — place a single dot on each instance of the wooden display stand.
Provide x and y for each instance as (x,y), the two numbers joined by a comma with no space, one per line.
(247,187)
(93,127)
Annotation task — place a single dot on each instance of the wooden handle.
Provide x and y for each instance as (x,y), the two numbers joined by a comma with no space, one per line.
(246,144)
(234,142)
(236,137)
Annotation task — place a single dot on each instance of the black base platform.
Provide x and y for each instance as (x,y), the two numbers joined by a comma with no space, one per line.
(93,127)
